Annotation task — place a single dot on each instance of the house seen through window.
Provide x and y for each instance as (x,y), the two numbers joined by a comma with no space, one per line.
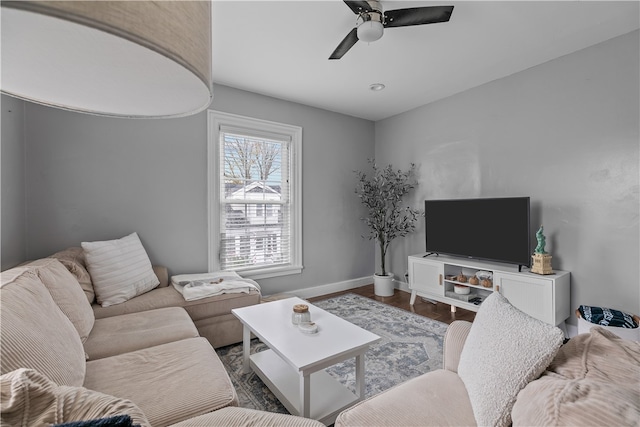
(255,199)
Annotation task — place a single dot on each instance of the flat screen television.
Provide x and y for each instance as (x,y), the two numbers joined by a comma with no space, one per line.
(495,229)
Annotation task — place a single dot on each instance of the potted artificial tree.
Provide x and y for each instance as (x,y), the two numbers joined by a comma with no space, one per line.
(382,194)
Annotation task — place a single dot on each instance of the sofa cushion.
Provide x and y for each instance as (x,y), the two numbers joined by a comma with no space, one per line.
(120,269)
(593,380)
(30,398)
(437,398)
(504,351)
(130,332)
(169,382)
(243,417)
(67,294)
(35,332)
(220,330)
(73,260)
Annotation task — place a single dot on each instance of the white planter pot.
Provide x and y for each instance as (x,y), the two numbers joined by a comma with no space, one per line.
(383,285)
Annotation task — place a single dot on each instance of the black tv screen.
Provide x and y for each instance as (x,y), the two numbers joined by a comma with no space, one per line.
(491,229)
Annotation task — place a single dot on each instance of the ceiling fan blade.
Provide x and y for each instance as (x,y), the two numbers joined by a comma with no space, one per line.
(346,44)
(417,16)
(358,6)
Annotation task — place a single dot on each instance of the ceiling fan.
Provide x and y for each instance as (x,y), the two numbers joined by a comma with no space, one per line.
(372,20)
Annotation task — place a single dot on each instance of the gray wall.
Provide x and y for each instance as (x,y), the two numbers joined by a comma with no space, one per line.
(95,178)
(13,213)
(565,133)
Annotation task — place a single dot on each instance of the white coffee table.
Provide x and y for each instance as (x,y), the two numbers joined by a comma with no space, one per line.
(293,367)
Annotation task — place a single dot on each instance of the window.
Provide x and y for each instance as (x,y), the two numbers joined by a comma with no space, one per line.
(255,198)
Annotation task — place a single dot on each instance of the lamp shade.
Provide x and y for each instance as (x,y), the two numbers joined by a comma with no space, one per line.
(114,58)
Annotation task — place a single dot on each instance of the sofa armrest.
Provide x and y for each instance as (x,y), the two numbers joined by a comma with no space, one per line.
(454,340)
(163,275)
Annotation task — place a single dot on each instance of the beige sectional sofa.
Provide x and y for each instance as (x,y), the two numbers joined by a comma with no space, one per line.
(63,360)
(507,370)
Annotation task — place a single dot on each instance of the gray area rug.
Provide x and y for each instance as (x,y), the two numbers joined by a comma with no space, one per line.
(411,345)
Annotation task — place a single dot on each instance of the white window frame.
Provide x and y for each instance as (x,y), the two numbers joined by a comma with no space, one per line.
(216,119)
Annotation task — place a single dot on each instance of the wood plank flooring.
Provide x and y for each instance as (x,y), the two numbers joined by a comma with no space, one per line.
(438,311)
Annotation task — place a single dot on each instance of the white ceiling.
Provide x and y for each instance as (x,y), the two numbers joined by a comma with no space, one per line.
(280,49)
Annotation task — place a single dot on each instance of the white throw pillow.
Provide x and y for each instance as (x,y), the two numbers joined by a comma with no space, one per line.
(504,351)
(120,269)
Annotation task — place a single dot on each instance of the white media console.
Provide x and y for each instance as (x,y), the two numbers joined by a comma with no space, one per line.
(544,297)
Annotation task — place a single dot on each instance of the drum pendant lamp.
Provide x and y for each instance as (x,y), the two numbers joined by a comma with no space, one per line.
(131,59)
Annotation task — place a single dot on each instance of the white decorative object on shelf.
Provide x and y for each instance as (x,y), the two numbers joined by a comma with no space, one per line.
(461,289)
(484,275)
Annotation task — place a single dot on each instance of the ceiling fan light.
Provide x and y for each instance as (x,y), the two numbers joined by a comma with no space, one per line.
(370,31)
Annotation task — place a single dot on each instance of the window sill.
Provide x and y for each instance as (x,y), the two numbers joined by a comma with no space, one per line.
(265,273)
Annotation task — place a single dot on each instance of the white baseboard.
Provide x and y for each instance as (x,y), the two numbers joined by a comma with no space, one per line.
(403,286)
(330,288)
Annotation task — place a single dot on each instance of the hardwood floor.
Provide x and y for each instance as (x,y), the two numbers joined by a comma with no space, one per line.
(438,311)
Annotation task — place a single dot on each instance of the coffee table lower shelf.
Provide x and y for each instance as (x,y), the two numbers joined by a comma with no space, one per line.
(327,396)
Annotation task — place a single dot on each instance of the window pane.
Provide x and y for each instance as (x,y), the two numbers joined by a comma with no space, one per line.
(250,240)
(254,234)
(253,166)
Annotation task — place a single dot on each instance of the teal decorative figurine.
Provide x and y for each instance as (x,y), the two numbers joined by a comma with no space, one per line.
(541,241)
(541,259)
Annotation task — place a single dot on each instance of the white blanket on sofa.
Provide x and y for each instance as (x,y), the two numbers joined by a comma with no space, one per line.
(198,286)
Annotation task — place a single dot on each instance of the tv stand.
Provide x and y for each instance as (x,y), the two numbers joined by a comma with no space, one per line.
(544,297)
(430,253)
